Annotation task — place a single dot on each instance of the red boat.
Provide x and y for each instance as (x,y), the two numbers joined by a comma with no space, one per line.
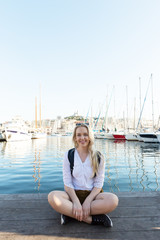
(119,136)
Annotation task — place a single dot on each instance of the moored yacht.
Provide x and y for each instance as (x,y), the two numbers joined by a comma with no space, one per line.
(119,136)
(131,136)
(149,137)
(99,135)
(38,135)
(103,135)
(158,136)
(1,137)
(16,130)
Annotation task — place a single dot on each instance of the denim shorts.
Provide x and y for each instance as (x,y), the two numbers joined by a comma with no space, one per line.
(83,194)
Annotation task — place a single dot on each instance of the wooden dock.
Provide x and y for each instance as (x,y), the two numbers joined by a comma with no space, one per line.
(29,216)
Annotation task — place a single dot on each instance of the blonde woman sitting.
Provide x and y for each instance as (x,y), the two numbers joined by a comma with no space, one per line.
(83,198)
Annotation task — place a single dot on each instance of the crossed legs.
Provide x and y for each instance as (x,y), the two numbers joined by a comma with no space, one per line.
(104,203)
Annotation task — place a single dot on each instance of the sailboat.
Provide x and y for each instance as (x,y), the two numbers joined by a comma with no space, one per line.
(103,133)
(130,135)
(38,134)
(150,137)
(120,135)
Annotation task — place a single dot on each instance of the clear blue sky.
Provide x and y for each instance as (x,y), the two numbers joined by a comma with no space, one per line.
(77,51)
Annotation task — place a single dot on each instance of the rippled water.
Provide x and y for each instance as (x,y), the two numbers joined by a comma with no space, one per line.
(36,166)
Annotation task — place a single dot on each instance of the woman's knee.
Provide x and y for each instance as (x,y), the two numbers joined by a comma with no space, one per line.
(114,200)
(111,200)
(56,198)
(52,197)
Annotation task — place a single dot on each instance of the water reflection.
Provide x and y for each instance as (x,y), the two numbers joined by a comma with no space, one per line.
(131,166)
(15,150)
(36,166)
(37,163)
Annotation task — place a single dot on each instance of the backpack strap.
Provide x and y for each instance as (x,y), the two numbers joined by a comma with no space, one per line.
(71,158)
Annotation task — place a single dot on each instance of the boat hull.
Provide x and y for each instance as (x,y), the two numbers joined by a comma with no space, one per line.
(158,137)
(119,136)
(100,136)
(103,135)
(149,137)
(39,135)
(131,137)
(13,135)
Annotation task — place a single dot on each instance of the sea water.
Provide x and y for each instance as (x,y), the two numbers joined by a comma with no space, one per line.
(35,166)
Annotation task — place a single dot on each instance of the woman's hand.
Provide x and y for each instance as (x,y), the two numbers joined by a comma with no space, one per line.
(77,211)
(86,206)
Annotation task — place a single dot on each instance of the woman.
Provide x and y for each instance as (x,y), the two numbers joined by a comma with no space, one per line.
(84,198)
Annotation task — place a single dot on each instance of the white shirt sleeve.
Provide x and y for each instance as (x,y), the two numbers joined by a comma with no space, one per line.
(67,177)
(99,179)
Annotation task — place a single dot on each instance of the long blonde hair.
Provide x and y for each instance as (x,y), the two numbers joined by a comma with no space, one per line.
(94,155)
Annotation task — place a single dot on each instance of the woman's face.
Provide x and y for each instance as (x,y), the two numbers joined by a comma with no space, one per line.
(82,137)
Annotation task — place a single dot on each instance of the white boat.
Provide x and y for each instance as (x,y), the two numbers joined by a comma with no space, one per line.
(109,136)
(139,138)
(119,135)
(103,135)
(67,134)
(158,136)
(99,135)
(38,135)
(56,134)
(1,137)
(149,137)
(131,136)
(16,130)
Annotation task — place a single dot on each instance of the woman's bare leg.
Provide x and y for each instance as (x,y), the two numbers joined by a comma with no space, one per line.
(104,203)
(59,201)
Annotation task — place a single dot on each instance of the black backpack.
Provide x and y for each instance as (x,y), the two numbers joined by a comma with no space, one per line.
(71,159)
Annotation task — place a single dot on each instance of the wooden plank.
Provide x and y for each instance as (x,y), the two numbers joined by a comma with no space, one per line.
(109,236)
(48,213)
(139,201)
(138,194)
(23,204)
(24,196)
(44,195)
(29,201)
(53,226)
(136,212)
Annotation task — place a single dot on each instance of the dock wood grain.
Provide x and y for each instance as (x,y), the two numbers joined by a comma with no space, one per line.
(29,216)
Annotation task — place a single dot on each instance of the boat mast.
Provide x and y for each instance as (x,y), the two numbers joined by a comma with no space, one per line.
(114,110)
(36,112)
(40,109)
(139,94)
(134,123)
(105,117)
(127,127)
(143,104)
(152,104)
(139,97)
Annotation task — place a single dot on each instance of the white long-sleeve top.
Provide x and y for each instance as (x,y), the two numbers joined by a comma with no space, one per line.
(81,177)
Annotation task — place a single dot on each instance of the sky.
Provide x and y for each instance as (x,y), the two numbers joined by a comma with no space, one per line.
(76,52)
